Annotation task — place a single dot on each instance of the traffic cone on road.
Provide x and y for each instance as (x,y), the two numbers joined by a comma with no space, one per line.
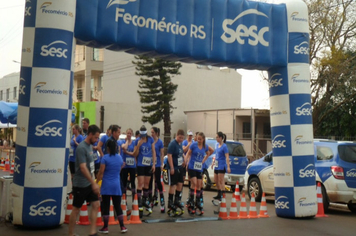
(162,182)
(99,220)
(83,215)
(252,213)
(263,207)
(7,164)
(135,217)
(112,220)
(237,192)
(2,163)
(222,210)
(69,209)
(12,167)
(243,209)
(233,209)
(124,209)
(319,196)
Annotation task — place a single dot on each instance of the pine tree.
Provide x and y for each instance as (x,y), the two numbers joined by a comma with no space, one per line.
(157,90)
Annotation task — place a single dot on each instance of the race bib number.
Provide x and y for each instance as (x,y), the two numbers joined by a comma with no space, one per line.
(146,161)
(180,161)
(216,164)
(197,165)
(130,161)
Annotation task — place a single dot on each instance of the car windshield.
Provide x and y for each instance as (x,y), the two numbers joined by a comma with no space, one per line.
(236,149)
(347,153)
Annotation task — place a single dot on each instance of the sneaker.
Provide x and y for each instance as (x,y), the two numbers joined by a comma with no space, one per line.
(123,229)
(217,197)
(104,230)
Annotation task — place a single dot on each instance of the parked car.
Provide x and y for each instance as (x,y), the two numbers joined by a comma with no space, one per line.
(335,166)
(238,164)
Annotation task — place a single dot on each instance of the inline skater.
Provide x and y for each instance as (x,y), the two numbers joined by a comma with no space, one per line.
(198,153)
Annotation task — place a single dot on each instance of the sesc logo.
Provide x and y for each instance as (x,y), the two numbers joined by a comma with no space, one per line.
(45,130)
(307,172)
(41,209)
(28,11)
(302,48)
(279,141)
(351,173)
(275,82)
(282,203)
(22,87)
(47,50)
(242,32)
(304,110)
(118,2)
(16,165)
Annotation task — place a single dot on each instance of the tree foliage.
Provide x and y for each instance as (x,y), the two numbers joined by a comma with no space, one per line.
(156,90)
(332,56)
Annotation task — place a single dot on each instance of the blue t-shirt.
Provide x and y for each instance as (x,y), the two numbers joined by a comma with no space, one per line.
(103,140)
(185,143)
(96,155)
(73,147)
(158,147)
(144,157)
(119,143)
(197,156)
(129,160)
(220,159)
(111,178)
(176,150)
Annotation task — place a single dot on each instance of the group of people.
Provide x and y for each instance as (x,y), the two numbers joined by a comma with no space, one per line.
(115,164)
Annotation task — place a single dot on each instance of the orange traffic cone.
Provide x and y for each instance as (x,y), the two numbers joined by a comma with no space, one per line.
(222,210)
(252,213)
(124,209)
(69,209)
(237,192)
(135,217)
(83,215)
(319,196)
(263,207)
(99,220)
(243,209)
(2,163)
(7,164)
(233,209)
(12,167)
(162,182)
(112,220)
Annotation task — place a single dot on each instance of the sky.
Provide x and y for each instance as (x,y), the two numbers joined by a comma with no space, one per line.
(254,88)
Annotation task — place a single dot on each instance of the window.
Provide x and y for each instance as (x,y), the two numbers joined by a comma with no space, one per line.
(347,153)
(15,92)
(96,54)
(1,95)
(324,153)
(246,130)
(100,83)
(266,130)
(7,94)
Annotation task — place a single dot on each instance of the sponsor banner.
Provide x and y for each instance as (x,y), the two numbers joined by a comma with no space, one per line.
(19,165)
(304,174)
(228,33)
(22,125)
(27,47)
(17,202)
(30,13)
(50,86)
(279,110)
(284,201)
(298,78)
(55,14)
(350,177)
(297,13)
(302,140)
(305,201)
(25,86)
(45,167)
(283,171)
(298,48)
(278,81)
(300,109)
(47,127)
(44,208)
(53,48)
(281,141)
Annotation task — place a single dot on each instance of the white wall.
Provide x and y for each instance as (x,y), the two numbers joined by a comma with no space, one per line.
(9,82)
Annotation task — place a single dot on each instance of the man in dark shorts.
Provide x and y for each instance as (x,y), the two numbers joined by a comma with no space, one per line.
(176,165)
(84,186)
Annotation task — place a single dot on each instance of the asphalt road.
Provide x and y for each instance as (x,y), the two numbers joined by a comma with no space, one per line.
(340,221)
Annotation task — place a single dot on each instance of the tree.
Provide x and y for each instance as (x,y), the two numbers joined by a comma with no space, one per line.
(157,90)
(332,55)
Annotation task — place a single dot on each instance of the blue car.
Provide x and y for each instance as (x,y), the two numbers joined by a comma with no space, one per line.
(335,166)
(238,164)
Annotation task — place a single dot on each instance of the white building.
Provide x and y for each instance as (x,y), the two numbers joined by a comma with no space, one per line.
(9,87)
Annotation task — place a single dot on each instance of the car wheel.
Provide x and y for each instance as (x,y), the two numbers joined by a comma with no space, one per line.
(326,201)
(206,180)
(352,207)
(254,186)
(165,175)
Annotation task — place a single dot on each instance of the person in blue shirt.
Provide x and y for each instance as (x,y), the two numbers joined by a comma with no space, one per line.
(159,148)
(128,147)
(198,153)
(74,142)
(101,144)
(145,157)
(109,173)
(221,162)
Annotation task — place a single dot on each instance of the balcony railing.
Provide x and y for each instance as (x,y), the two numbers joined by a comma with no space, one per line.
(95,95)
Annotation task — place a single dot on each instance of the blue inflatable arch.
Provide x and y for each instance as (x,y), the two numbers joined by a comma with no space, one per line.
(233,33)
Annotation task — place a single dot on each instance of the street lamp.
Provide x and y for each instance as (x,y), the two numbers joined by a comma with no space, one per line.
(16,61)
